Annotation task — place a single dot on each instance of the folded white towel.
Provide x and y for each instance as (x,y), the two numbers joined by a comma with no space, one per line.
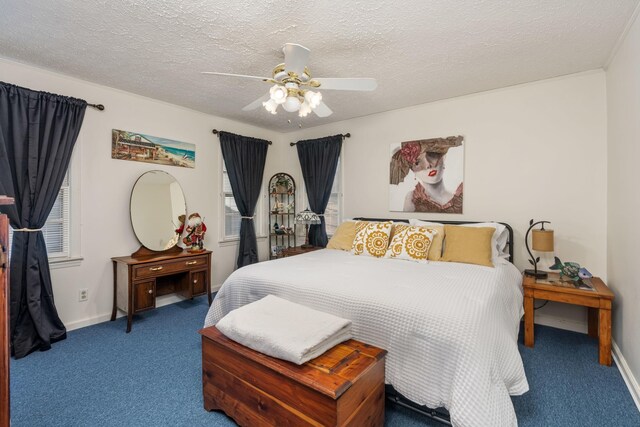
(283,329)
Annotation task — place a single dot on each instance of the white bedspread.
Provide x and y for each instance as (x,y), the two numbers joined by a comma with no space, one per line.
(450,329)
(283,329)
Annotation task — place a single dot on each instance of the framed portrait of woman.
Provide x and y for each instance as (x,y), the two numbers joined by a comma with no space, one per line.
(427,175)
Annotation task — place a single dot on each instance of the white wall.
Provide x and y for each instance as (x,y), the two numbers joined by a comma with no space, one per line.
(531,151)
(105,184)
(623,232)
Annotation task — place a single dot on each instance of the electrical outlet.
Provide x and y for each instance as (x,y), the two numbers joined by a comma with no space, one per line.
(83,294)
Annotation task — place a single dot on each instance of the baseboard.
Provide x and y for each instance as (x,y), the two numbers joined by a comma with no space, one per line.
(160,302)
(70,326)
(561,323)
(627,375)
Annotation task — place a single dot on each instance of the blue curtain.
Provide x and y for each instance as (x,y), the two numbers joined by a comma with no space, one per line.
(245,158)
(319,162)
(37,133)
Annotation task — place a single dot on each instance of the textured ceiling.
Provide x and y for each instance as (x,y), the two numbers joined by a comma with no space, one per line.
(418,50)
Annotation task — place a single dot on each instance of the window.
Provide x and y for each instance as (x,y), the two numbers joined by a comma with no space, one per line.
(333,212)
(231,214)
(56,230)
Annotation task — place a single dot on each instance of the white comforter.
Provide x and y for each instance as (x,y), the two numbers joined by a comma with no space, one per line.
(450,329)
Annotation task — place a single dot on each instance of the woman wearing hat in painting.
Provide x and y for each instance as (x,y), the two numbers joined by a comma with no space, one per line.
(426,158)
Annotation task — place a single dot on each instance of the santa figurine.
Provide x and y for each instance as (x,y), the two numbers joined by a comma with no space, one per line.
(180,229)
(195,233)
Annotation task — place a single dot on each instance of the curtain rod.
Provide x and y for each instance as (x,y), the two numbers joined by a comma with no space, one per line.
(346,135)
(216,132)
(96,106)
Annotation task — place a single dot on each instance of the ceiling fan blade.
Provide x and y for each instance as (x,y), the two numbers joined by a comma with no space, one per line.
(264,79)
(322,110)
(257,103)
(295,58)
(347,84)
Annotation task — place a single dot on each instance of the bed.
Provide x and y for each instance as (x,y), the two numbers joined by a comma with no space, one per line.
(450,328)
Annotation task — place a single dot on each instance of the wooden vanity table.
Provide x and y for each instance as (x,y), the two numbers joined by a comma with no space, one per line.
(139,279)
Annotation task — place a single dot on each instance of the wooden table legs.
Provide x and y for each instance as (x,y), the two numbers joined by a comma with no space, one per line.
(592,317)
(528,320)
(605,336)
(599,327)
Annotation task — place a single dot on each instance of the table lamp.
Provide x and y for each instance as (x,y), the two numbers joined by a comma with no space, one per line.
(541,240)
(307,217)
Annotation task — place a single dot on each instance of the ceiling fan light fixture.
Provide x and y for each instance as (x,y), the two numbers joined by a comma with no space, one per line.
(292,104)
(271,106)
(305,109)
(313,98)
(278,94)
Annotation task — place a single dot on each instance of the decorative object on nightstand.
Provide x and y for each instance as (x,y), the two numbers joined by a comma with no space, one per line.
(307,217)
(282,210)
(569,270)
(541,240)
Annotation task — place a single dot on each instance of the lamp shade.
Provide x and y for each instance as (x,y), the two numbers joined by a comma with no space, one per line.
(542,240)
(307,217)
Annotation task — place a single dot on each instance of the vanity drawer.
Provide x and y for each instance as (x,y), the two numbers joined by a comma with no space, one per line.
(167,267)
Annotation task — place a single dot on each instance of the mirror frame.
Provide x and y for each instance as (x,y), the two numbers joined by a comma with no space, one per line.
(144,250)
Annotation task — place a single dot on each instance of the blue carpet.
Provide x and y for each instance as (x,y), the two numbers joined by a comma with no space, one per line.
(100,376)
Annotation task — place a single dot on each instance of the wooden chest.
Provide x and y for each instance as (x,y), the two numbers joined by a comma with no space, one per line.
(343,387)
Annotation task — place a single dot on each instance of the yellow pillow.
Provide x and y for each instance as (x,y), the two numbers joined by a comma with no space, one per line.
(343,237)
(372,238)
(471,245)
(410,242)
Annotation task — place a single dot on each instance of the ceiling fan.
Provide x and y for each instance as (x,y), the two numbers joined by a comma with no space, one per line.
(292,84)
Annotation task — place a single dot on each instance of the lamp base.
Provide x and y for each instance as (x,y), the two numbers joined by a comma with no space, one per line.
(537,275)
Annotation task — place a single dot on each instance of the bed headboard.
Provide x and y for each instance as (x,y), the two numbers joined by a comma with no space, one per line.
(509,229)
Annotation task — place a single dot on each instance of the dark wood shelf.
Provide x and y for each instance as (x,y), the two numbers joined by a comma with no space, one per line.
(286,202)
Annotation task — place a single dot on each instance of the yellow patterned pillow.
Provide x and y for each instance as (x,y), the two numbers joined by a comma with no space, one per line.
(372,238)
(411,242)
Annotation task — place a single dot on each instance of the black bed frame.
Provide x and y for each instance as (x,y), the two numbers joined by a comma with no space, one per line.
(438,414)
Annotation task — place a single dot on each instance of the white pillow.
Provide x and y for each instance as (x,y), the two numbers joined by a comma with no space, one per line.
(372,238)
(499,250)
(410,242)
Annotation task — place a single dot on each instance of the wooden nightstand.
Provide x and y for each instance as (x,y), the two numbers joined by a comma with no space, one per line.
(597,301)
(297,251)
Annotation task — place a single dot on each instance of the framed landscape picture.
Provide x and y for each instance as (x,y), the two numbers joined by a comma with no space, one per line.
(139,147)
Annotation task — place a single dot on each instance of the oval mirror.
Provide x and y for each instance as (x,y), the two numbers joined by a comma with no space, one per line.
(157,201)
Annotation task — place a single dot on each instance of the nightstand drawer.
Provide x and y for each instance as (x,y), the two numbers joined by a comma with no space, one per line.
(163,268)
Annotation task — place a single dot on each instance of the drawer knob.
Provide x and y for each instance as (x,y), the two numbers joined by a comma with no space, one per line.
(150,291)
(155,268)
(192,262)
(195,281)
